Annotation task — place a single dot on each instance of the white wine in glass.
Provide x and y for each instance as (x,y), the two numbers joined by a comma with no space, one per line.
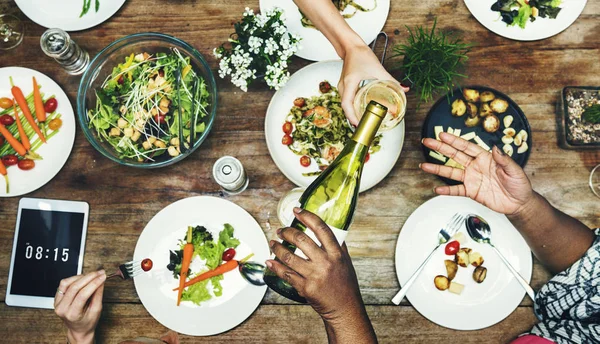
(12,31)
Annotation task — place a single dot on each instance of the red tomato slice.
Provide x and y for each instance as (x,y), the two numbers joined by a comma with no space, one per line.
(287,127)
(305,161)
(228,254)
(452,247)
(287,140)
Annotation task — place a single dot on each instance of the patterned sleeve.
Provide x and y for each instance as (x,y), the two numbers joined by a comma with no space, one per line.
(568,306)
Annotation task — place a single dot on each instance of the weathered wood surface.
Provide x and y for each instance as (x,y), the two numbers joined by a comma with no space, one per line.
(123,200)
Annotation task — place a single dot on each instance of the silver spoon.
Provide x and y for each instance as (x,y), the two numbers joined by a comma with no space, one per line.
(252,272)
(480,231)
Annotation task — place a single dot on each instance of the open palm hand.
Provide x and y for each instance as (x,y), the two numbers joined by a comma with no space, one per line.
(492,179)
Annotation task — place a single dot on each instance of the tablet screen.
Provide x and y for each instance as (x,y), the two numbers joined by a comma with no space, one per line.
(47,250)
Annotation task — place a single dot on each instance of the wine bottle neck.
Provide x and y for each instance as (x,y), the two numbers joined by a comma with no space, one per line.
(369,124)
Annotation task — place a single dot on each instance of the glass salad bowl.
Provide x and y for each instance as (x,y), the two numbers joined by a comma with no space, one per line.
(129,100)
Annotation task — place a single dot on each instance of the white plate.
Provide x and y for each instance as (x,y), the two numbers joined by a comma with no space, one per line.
(541,28)
(305,83)
(64,14)
(315,46)
(479,305)
(54,153)
(239,299)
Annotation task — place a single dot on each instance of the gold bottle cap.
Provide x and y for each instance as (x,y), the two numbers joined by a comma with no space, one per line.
(377,109)
(369,123)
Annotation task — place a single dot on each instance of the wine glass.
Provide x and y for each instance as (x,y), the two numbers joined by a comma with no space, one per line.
(595,180)
(12,31)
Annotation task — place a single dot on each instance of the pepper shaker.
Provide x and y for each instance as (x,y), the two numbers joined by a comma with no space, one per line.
(57,44)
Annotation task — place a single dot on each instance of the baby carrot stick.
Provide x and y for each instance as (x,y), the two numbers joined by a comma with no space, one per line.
(14,143)
(188,252)
(24,138)
(20,98)
(40,112)
(4,173)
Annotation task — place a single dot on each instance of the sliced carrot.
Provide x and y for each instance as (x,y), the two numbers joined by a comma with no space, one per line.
(14,143)
(20,98)
(40,112)
(22,135)
(188,252)
(221,269)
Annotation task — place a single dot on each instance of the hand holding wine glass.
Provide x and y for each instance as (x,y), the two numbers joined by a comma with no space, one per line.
(492,179)
(326,279)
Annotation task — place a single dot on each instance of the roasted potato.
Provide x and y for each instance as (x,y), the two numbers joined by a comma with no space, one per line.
(471,95)
(479,274)
(491,123)
(456,288)
(466,249)
(487,96)
(507,139)
(458,108)
(462,258)
(460,237)
(475,259)
(472,121)
(508,121)
(451,268)
(523,148)
(471,109)
(508,150)
(510,132)
(441,282)
(485,110)
(499,105)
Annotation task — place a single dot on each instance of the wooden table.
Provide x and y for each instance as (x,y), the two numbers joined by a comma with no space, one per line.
(123,200)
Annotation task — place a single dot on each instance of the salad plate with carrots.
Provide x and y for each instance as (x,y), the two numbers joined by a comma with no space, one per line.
(37,130)
(197,245)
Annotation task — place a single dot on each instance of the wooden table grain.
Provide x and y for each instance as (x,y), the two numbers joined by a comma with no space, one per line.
(122,200)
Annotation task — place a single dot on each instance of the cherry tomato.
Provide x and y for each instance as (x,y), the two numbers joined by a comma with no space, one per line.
(452,247)
(10,160)
(147,264)
(305,161)
(324,87)
(1,141)
(299,102)
(51,105)
(26,164)
(120,81)
(228,254)
(6,103)
(55,124)
(160,118)
(287,140)
(7,120)
(287,127)
(368,157)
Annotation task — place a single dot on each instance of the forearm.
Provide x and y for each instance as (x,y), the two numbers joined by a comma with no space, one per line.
(326,17)
(353,328)
(80,338)
(556,239)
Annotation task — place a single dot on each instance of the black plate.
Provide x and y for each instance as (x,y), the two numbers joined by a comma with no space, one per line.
(439,114)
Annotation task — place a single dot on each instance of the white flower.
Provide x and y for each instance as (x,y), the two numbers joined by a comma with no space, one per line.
(248,12)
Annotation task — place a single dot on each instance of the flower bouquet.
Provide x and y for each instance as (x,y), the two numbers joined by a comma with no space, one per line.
(260,48)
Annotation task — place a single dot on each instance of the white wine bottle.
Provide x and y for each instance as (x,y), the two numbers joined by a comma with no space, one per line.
(333,195)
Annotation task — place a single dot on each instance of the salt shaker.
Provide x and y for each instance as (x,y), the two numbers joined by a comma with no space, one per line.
(57,44)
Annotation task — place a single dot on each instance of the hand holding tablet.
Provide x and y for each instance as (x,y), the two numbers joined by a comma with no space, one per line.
(48,247)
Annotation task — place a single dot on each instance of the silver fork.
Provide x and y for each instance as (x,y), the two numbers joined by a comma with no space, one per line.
(455,223)
(128,270)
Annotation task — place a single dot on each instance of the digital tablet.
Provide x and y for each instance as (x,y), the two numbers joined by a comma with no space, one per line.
(48,246)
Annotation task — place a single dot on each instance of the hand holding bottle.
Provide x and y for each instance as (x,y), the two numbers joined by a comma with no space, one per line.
(326,279)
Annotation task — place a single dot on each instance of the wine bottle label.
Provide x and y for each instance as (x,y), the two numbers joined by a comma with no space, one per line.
(340,235)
